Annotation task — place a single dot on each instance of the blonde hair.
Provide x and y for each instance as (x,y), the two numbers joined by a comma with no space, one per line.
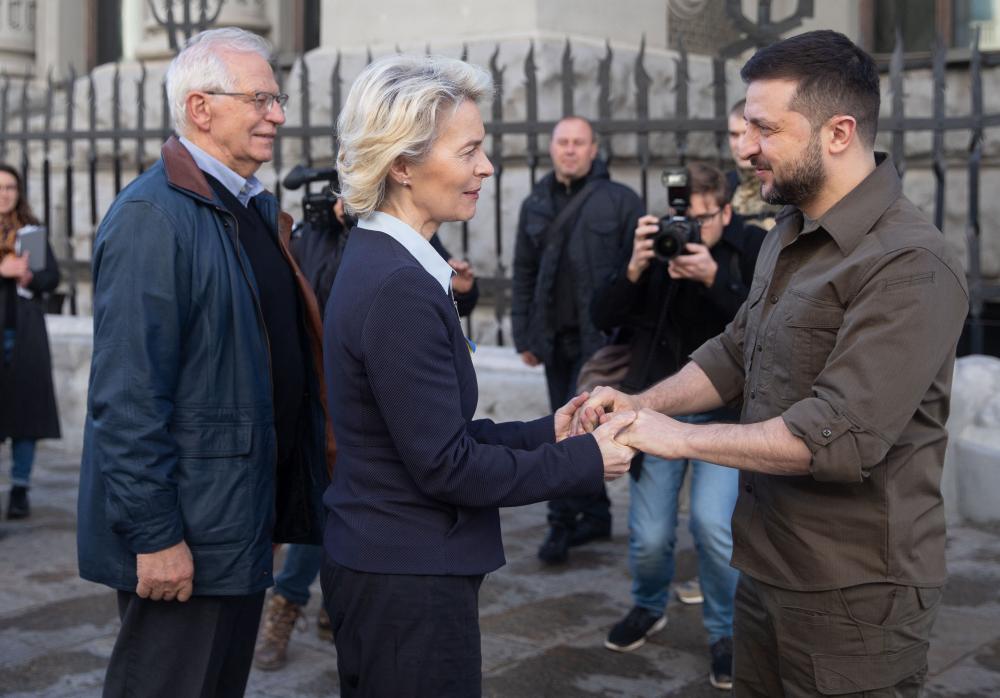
(202,66)
(393,110)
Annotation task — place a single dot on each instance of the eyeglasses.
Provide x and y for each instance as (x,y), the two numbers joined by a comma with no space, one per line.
(706,217)
(262,101)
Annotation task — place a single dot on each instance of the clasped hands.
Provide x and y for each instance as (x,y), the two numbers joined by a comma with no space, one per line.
(621,421)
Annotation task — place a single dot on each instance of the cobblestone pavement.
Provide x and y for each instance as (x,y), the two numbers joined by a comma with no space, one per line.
(543,628)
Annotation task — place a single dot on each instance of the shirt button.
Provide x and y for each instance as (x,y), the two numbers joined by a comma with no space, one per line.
(753,394)
(760,348)
(773,299)
(827,433)
(748,488)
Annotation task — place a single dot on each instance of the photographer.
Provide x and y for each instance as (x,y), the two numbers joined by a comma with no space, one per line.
(668,307)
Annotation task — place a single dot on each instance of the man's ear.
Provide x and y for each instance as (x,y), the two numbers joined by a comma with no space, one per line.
(727,214)
(843,131)
(199,110)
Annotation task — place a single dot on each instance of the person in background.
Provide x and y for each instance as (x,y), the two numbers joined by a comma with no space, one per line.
(555,273)
(669,307)
(28,410)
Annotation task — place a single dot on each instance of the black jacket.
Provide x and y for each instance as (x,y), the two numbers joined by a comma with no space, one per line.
(667,319)
(594,241)
(27,399)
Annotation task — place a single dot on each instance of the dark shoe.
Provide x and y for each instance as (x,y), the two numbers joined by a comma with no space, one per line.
(631,632)
(324,628)
(18,506)
(279,620)
(555,549)
(589,529)
(722,664)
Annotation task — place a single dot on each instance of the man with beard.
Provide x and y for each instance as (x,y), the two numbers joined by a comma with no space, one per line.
(743,182)
(839,527)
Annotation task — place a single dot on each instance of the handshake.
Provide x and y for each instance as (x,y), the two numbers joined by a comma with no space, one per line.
(618,422)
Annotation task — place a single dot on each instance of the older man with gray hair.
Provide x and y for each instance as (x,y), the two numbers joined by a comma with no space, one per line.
(206,439)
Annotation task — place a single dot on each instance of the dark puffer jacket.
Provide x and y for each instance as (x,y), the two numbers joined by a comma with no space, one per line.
(179,442)
(594,241)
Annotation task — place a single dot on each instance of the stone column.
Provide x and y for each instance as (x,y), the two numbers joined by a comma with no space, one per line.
(17,36)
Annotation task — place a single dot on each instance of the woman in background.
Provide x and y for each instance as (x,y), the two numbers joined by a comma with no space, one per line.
(412,522)
(27,400)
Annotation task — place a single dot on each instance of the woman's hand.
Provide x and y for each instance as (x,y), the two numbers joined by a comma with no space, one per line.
(616,456)
(464,275)
(602,401)
(564,416)
(14,267)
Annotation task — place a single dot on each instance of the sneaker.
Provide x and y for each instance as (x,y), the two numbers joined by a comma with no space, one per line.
(722,664)
(588,529)
(631,632)
(324,628)
(689,592)
(17,505)
(555,549)
(279,619)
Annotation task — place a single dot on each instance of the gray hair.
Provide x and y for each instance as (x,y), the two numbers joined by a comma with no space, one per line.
(200,66)
(393,110)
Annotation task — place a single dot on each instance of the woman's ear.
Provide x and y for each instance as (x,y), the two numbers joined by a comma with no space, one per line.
(399,171)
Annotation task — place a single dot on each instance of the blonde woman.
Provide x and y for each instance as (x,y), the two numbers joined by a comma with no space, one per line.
(412,523)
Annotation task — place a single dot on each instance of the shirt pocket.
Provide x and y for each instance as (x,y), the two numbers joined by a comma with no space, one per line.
(807,338)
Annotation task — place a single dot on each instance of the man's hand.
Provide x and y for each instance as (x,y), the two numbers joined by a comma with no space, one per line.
(564,416)
(165,575)
(14,267)
(642,247)
(530,359)
(601,401)
(617,457)
(655,433)
(464,275)
(697,265)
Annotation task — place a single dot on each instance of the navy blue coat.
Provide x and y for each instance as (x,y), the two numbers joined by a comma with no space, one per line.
(179,442)
(418,481)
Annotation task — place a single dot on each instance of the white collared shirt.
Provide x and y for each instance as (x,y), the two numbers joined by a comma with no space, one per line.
(242,188)
(415,243)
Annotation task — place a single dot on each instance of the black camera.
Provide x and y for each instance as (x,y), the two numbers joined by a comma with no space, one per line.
(676,230)
(317,209)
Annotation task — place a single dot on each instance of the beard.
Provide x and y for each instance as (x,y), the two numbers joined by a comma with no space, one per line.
(802,182)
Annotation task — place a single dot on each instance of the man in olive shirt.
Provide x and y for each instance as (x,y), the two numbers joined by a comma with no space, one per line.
(842,358)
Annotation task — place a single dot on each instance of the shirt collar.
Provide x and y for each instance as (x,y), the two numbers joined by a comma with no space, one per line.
(415,243)
(242,188)
(850,219)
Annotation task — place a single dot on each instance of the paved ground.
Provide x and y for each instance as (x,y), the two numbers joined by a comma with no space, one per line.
(542,628)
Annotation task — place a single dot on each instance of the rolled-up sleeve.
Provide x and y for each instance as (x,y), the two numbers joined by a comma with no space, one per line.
(891,355)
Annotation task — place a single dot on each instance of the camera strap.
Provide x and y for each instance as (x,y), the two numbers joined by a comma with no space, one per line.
(555,236)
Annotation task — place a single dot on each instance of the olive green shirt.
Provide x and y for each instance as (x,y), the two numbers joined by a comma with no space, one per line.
(849,334)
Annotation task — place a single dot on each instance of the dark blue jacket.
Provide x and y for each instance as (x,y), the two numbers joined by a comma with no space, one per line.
(418,481)
(179,442)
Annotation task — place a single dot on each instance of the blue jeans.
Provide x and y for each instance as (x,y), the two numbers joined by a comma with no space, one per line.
(302,563)
(23,453)
(653,534)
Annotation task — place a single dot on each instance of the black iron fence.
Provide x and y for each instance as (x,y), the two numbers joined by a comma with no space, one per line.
(90,158)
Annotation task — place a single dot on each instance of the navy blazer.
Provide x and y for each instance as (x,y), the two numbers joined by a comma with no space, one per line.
(418,481)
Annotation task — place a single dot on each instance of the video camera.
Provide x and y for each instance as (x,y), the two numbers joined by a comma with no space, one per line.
(317,209)
(676,230)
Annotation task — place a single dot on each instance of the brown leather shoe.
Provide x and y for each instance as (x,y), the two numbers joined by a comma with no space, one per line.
(280,615)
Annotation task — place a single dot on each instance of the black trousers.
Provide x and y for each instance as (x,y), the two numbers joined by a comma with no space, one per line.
(561,372)
(201,648)
(868,640)
(404,635)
